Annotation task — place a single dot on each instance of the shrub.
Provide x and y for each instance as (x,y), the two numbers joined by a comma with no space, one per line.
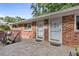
(77,50)
(4,27)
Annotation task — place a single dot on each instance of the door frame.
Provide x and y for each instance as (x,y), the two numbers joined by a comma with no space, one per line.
(43,29)
(49,29)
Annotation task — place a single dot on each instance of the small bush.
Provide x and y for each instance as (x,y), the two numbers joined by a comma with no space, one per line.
(77,50)
(4,27)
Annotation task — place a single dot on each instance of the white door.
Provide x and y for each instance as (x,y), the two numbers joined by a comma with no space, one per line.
(40,30)
(56,30)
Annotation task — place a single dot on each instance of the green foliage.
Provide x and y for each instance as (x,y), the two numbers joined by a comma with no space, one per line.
(44,8)
(18,18)
(4,27)
(77,50)
(11,19)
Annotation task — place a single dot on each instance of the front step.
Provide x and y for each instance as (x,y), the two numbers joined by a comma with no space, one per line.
(38,40)
(1,45)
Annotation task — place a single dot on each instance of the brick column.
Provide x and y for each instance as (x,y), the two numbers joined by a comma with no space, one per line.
(46,30)
(34,29)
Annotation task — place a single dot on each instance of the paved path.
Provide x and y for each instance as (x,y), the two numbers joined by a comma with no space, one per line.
(33,48)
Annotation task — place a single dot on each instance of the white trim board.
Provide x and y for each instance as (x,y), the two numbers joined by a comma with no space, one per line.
(75,29)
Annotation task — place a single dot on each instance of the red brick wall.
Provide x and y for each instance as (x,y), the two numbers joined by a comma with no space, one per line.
(15,33)
(69,36)
(27,34)
(19,27)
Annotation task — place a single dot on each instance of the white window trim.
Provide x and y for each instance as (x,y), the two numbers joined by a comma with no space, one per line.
(75,27)
(28,29)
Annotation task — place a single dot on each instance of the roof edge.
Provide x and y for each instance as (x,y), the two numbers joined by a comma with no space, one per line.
(49,14)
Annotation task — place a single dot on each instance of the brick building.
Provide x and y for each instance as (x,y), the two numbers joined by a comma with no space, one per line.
(61,27)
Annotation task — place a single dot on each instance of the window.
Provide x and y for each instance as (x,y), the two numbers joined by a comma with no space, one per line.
(77,22)
(28,26)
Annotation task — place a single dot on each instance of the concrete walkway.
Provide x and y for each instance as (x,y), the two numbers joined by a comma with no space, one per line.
(33,48)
